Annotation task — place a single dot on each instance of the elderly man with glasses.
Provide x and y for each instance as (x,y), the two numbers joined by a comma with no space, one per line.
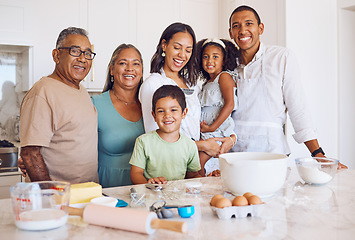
(58,121)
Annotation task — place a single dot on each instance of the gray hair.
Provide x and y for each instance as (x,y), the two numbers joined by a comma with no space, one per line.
(68,31)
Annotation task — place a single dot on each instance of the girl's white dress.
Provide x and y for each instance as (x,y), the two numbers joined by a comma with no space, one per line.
(212,102)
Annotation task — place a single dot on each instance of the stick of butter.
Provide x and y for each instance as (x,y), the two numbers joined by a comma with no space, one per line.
(84,192)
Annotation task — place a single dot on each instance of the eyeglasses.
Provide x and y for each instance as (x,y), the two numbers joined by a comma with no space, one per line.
(76,52)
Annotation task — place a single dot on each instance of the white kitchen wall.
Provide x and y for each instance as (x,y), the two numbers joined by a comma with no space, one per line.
(271,12)
(346,83)
(311,32)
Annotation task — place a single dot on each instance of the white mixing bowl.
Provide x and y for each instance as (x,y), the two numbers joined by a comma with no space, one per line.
(262,174)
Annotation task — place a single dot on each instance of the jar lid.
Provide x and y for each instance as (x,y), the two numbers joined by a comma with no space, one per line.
(193,184)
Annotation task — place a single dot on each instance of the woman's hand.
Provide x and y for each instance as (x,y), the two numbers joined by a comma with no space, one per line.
(158,180)
(227,143)
(210,146)
(22,167)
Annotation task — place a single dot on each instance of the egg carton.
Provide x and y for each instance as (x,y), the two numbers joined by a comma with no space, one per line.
(238,212)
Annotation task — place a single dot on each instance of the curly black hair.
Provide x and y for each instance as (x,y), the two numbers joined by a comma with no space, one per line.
(230,55)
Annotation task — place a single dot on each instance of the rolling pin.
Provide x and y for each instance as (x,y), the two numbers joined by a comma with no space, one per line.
(126,219)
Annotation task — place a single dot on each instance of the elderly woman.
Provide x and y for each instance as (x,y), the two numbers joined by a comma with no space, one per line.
(119,116)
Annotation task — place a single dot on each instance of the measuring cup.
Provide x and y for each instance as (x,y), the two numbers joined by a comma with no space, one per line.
(185,211)
(40,205)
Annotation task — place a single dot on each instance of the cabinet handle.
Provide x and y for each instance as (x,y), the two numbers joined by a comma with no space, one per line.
(92,65)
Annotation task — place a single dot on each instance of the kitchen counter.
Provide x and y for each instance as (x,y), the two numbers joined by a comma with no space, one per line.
(297,211)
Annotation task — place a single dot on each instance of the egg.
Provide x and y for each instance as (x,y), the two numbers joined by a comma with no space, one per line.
(223,202)
(254,200)
(247,195)
(240,201)
(214,199)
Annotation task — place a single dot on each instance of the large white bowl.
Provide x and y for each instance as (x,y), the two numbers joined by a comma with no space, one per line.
(262,174)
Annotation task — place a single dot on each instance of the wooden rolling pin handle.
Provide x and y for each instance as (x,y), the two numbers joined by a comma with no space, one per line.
(76,211)
(176,226)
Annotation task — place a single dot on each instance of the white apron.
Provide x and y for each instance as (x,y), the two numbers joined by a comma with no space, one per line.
(257,129)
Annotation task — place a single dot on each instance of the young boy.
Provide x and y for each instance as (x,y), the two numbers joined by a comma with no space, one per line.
(165,154)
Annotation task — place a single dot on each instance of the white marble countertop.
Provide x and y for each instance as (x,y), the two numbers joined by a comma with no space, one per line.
(297,211)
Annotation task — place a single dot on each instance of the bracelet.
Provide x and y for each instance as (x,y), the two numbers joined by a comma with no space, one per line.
(319,150)
(232,140)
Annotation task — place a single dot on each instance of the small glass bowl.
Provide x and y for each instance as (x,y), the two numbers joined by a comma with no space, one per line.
(193,187)
(316,170)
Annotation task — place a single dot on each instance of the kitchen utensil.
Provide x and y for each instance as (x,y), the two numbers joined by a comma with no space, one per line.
(262,174)
(158,208)
(154,187)
(136,200)
(105,201)
(158,188)
(40,205)
(119,203)
(316,170)
(161,209)
(185,211)
(126,219)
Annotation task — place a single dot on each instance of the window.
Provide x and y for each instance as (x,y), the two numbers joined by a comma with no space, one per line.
(9,66)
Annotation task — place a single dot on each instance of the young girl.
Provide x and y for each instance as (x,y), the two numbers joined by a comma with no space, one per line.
(217,98)
(174,63)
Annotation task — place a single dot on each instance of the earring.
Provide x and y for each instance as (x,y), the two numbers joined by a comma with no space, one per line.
(163,54)
(112,78)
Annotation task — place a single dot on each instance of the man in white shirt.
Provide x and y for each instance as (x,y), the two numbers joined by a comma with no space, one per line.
(269,86)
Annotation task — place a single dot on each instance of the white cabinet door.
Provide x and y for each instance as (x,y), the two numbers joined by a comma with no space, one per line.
(16,21)
(6,182)
(49,19)
(109,25)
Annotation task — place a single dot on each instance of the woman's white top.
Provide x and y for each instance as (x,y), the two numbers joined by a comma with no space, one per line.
(190,126)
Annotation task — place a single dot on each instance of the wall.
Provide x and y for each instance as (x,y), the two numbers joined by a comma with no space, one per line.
(271,12)
(346,84)
(311,32)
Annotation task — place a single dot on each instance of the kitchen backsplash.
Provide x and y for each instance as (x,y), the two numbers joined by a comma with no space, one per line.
(9,111)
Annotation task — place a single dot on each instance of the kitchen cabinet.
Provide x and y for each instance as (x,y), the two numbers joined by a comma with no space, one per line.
(8,179)
(49,18)
(109,23)
(37,23)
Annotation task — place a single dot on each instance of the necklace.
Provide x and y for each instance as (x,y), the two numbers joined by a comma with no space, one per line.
(126,103)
